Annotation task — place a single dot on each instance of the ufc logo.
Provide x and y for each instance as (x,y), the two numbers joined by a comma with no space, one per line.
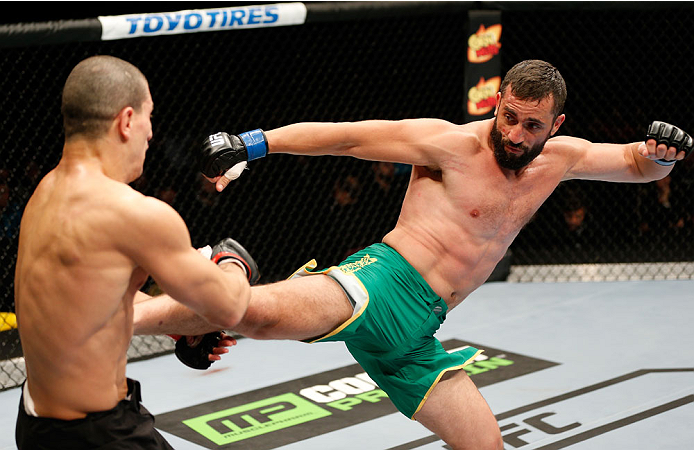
(216,139)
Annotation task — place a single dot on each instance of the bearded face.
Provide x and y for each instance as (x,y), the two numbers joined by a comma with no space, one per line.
(509,160)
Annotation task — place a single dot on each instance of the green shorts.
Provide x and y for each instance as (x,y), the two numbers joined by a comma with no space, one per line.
(391,333)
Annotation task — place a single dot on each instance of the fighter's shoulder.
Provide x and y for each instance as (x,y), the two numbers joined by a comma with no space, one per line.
(125,198)
(468,137)
(142,211)
(565,145)
(438,128)
(567,141)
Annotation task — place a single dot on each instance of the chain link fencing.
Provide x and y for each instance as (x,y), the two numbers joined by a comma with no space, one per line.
(624,68)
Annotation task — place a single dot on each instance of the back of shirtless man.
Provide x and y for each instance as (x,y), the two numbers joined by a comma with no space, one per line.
(472,189)
(87,243)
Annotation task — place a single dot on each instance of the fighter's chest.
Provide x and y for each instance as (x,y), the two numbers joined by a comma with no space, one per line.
(496,204)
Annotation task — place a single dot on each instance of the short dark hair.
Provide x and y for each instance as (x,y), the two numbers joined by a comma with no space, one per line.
(96,90)
(536,80)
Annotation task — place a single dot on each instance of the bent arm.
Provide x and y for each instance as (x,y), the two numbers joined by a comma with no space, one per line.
(161,245)
(164,315)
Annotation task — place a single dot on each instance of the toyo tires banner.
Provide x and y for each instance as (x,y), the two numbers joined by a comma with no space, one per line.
(200,20)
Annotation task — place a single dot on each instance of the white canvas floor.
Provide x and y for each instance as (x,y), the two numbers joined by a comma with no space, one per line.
(598,366)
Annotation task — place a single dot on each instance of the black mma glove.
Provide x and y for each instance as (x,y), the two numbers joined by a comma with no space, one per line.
(228,154)
(671,136)
(228,250)
(196,356)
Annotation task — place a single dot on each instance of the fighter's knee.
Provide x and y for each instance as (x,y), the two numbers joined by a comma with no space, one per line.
(488,442)
(259,322)
(486,438)
(254,326)
(496,442)
(258,331)
(491,438)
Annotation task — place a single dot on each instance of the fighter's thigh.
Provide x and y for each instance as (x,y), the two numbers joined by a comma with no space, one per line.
(299,308)
(456,411)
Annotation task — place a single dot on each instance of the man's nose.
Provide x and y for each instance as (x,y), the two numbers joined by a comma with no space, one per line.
(515,134)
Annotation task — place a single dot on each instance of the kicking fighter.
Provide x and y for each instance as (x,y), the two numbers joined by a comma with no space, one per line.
(472,189)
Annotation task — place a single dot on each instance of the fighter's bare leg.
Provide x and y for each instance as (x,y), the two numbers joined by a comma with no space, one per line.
(300,308)
(457,413)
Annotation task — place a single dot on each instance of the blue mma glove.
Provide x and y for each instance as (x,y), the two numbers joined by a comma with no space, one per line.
(228,154)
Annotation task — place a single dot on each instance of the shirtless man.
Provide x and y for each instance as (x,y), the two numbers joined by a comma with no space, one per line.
(473,187)
(87,244)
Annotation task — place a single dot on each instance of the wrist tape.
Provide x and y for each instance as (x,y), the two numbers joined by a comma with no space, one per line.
(256,143)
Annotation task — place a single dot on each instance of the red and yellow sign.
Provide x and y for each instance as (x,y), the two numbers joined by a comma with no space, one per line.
(483,64)
(481,98)
(484,44)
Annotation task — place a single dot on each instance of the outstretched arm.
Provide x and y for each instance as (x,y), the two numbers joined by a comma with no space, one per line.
(632,163)
(422,142)
(410,141)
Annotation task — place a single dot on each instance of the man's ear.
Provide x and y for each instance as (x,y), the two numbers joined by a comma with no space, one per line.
(498,102)
(124,122)
(557,123)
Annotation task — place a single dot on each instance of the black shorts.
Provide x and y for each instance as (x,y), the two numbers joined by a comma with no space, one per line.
(127,426)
